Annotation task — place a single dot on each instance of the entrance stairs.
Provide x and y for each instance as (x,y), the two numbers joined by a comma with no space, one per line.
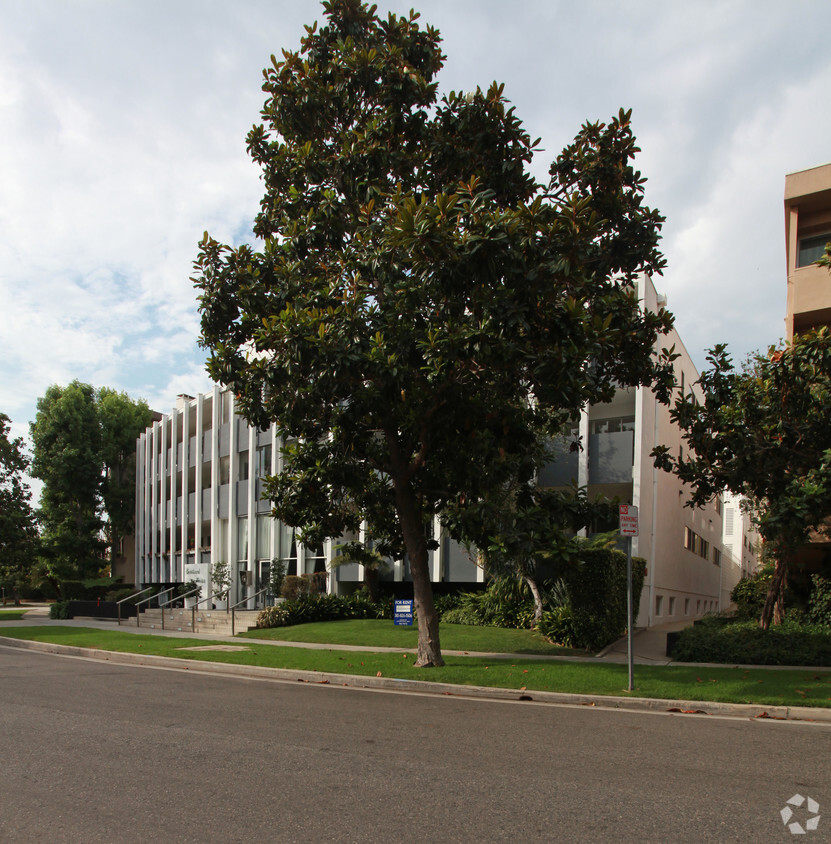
(205,622)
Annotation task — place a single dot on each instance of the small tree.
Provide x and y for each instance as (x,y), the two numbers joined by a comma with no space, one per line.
(276,576)
(121,420)
(765,433)
(221,579)
(421,308)
(66,439)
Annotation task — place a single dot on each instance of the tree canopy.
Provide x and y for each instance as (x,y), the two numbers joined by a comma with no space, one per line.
(83,443)
(421,310)
(763,432)
(18,536)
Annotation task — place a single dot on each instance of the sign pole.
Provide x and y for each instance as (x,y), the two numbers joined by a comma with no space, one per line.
(628,528)
(629,620)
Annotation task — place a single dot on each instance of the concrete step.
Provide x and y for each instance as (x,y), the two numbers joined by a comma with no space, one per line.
(211,622)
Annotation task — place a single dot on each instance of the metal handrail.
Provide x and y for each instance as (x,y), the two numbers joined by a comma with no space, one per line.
(194,591)
(130,598)
(219,595)
(243,601)
(176,597)
(150,598)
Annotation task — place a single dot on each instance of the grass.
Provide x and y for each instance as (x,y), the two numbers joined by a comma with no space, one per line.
(380,633)
(12,615)
(765,687)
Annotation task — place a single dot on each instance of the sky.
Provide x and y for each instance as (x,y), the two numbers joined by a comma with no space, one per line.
(122,139)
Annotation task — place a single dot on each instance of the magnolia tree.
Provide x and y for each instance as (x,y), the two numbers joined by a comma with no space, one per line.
(420,311)
(764,432)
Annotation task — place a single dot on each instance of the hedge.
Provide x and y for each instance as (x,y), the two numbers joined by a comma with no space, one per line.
(745,643)
(596,586)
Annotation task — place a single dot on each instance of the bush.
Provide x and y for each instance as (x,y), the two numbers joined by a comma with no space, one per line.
(446,603)
(819,605)
(295,586)
(557,625)
(749,594)
(60,610)
(745,643)
(506,602)
(460,615)
(73,590)
(596,587)
(308,608)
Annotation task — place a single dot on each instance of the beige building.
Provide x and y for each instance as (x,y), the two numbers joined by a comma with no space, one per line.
(807,230)
(689,571)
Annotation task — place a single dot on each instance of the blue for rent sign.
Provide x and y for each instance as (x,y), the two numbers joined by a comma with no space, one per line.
(403,613)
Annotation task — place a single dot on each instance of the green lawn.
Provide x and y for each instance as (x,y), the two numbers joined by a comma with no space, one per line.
(380,633)
(12,615)
(734,685)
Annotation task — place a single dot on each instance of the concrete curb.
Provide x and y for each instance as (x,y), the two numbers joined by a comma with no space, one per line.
(634,704)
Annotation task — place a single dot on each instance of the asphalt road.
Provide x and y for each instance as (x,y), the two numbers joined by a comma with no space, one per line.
(94,752)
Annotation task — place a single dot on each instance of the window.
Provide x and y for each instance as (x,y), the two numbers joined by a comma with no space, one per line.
(672,606)
(811,249)
(614,425)
(242,538)
(264,537)
(263,467)
(659,604)
(693,542)
(243,466)
(717,556)
(686,606)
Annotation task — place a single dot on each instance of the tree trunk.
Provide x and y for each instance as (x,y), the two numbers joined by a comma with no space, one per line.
(412,527)
(779,606)
(775,595)
(535,591)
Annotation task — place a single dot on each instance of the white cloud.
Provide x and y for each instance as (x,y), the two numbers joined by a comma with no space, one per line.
(122,138)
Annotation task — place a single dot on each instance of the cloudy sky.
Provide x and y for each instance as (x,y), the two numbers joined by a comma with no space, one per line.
(122,138)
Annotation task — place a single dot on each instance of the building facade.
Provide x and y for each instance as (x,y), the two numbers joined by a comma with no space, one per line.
(200,471)
(807,231)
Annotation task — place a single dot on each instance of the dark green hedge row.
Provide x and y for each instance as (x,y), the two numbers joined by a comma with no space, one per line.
(597,596)
(745,643)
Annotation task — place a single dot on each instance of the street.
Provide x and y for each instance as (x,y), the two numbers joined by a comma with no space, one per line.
(97,752)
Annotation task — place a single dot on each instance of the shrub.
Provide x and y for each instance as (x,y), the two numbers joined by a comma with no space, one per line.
(276,576)
(446,603)
(506,602)
(557,625)
(73,590)
(819,606)
(745,643)
(460,615)
(293,587)
(60,610)
(749,594)
(308,608)
(596,586)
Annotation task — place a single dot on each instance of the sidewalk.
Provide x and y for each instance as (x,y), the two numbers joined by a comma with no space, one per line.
(649,644)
